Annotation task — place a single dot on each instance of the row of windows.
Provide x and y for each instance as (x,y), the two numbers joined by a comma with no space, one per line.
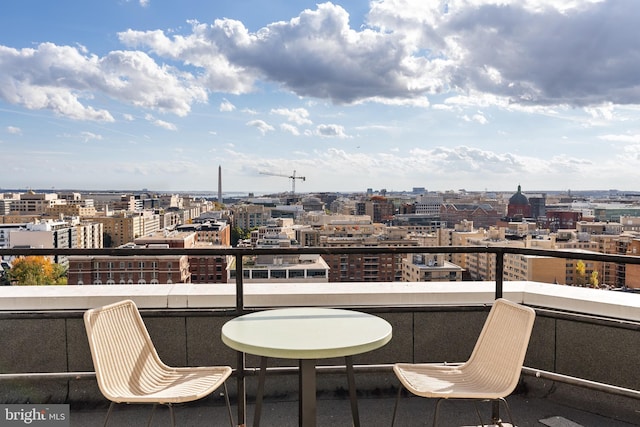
(122,276)
(280,274)
(122,265)
(122,282)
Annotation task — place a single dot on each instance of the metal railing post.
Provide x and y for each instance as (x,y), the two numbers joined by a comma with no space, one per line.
(499,273)
(495,404)
(241,362)
(239,285)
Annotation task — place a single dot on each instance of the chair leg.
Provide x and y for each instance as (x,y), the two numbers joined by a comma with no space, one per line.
(475,405)
(173,416)
(153,410)
(226,398)
(109,413)
(395,407)
(436,412)
(506,405)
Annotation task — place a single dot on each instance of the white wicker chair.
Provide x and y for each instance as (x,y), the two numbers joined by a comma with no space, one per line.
(492,371)
(129,370)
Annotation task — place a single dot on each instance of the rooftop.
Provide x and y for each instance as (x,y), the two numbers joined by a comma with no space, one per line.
(580,370)
(529,410)
(541,400)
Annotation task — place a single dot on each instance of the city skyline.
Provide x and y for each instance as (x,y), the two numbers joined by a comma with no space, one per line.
(393,94)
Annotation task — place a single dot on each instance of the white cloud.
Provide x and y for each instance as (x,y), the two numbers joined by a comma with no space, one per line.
(226,106)
(627,138)
(88,136)
(200,49)
(550,53)
(170,167)
(316,54)
(331,131)
(290,129)
(14,130)
(299,116)
(261,125)
(65,80)
(478,118)
(161,123)
(165,125)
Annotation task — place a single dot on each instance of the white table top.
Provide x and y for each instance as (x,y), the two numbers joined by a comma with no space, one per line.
(306,333)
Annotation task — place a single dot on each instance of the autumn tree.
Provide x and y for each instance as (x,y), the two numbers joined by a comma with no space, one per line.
(36,271)
(593,279)
(581,274)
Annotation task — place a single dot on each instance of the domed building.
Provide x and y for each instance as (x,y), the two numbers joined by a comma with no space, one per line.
(519,206)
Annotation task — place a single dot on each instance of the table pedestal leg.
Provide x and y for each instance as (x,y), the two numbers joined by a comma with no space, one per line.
(260,393)
(352,391)
(242,402)
(307,399)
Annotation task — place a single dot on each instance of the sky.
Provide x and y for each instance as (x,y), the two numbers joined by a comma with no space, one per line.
(349,95)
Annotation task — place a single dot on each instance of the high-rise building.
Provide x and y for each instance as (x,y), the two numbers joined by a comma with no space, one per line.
(124,227)
(251,216)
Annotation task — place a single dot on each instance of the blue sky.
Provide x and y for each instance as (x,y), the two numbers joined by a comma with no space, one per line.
(394,94)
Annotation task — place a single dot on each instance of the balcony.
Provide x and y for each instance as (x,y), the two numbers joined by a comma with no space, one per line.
(581,364)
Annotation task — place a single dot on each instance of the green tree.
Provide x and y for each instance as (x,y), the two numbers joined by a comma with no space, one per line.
(36,271)
(238,234)
(4,278)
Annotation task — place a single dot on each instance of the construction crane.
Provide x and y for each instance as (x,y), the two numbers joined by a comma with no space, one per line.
(292,177)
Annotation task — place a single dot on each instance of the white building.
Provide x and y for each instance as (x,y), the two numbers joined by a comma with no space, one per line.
(430,268)
(310,268)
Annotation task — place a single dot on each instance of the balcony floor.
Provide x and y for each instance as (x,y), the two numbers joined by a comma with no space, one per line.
(335,412)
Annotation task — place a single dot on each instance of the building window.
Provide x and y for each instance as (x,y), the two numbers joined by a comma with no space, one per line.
(296,274)
(260,274)
(316,273)
(278,274)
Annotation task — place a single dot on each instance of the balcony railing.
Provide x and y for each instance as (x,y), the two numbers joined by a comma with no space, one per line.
(240,306)
(238,253)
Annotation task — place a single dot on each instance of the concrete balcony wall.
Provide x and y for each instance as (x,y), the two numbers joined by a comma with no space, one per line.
(589,334)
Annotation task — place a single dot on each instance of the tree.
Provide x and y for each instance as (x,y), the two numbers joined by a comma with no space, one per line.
(4,278)
(238,234)
(581,273)
(593,279)
(36,271)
